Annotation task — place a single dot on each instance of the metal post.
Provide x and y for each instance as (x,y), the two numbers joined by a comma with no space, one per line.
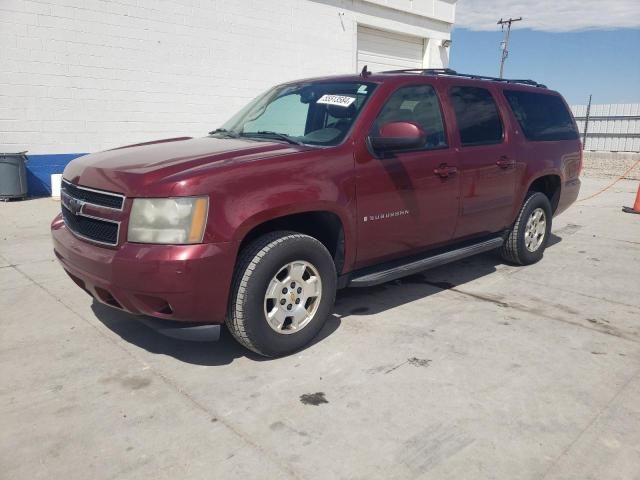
(505,42)
(586,124)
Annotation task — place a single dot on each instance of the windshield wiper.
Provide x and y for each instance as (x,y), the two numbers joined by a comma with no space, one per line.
(270,134)
(224,132)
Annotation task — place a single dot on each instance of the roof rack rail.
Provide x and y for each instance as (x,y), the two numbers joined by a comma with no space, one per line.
(453,73)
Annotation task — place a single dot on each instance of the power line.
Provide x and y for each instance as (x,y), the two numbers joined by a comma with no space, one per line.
(505,42)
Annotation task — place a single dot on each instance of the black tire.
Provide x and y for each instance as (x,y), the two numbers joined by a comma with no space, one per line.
(514,249)
(258,263)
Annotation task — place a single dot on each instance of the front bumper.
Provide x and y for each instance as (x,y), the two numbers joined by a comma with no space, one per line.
(174,282)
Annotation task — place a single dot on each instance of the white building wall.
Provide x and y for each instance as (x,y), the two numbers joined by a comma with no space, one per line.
(86,75)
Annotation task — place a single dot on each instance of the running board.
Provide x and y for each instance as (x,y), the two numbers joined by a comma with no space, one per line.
(376,277)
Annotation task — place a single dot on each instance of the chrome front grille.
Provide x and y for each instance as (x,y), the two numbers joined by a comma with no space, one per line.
(98,226)
(99,198)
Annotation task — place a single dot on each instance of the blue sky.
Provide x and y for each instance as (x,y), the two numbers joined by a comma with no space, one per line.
(577,47)
(605,63)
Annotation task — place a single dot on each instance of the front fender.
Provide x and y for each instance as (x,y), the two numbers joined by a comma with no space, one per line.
(263,216)
(245,196)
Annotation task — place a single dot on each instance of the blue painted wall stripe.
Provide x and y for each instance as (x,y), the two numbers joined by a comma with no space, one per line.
(41,167)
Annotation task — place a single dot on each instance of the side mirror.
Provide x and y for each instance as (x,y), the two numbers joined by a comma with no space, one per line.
(398,136)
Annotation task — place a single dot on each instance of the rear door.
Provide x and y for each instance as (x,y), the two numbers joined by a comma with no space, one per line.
(404,204)
(488,169)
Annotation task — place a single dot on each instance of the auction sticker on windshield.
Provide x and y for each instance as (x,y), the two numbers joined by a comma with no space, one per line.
(338,100)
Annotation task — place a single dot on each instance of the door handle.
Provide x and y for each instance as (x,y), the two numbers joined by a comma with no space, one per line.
(505,162)
(445,170)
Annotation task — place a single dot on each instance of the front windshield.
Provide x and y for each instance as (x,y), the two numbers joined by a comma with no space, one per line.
(316,113)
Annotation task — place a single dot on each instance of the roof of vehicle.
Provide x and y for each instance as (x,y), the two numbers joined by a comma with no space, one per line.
(380,77)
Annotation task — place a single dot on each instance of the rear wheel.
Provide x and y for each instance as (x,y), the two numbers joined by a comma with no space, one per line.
(527,240)
(284,289)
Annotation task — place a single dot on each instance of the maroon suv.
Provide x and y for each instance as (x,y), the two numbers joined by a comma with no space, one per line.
(317,185)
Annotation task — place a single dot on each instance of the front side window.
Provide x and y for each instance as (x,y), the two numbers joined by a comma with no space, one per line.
(314,113)
(417,104)
(542,117)
(477,116)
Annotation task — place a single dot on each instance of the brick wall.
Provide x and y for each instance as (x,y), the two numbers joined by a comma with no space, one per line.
(86,75)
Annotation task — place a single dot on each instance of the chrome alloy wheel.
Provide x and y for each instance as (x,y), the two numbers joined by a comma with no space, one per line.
(536,230)
(293,297)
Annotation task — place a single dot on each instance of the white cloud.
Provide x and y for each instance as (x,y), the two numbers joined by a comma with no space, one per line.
(550,15)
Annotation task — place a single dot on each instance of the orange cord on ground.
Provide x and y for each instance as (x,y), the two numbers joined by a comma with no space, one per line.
(611,185)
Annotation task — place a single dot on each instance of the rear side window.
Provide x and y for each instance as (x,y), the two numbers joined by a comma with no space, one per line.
(542,117)
(477,116)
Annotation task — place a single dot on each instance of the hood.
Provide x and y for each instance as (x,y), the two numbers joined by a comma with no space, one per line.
(134,169)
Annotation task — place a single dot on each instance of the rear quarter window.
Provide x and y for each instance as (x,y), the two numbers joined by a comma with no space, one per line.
(542,117)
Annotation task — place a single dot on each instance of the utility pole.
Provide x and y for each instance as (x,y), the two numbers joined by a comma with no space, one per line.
(505,42)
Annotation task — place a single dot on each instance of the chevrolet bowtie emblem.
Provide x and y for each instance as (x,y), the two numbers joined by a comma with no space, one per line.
(73,204)
(76,206)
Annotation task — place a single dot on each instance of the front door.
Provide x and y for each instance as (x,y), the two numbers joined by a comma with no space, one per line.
(407,200)
(488,173)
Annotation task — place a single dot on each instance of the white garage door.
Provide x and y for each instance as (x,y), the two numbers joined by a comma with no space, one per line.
(381,50)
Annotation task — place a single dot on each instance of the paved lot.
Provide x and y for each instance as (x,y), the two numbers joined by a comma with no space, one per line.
(477,370)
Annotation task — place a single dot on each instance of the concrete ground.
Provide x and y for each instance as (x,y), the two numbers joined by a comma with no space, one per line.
(477,370)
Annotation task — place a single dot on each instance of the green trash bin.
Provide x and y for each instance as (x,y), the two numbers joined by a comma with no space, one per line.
(13,175)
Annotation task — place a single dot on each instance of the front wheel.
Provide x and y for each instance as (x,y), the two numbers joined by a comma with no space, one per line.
(529,237)
(284,289)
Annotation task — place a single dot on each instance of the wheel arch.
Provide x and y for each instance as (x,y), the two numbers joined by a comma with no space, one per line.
(549,184)
(324,225)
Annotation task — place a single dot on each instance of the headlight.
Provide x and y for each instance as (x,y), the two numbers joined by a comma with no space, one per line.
(179,220)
